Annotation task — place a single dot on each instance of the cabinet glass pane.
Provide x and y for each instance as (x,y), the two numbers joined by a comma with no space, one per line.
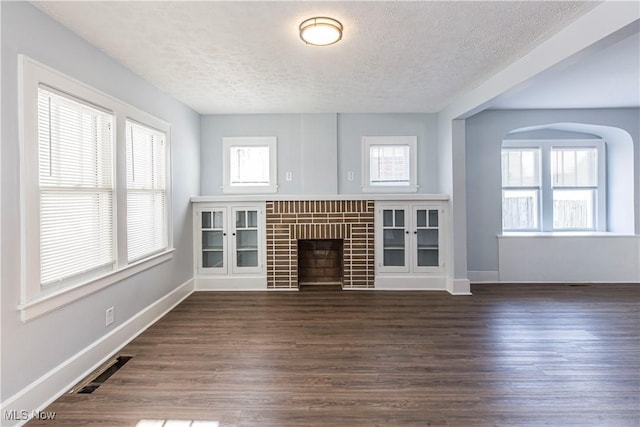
(241,219)
(252,219)
(212,240)
(393,239)
(421,218)
(427,257)
(212,259)
(433,218)
(400,218)
(393,257)
(217,220)
(206,219)
(387,218)
(246,239)
(247,258)
(428,238)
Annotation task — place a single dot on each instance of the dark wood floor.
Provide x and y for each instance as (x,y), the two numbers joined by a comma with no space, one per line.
(519,355)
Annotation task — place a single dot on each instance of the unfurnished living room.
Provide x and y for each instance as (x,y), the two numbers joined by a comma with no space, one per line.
(301,213)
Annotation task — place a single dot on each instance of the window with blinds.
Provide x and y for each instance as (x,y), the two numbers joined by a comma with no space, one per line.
(76,187)
(146,191)
(389,165)
(249,165)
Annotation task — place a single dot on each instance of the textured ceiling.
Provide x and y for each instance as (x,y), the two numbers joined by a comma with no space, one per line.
(246,57)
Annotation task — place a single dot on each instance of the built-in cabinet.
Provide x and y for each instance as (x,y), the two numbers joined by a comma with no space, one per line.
(409,245)
(230,244)
(408,242)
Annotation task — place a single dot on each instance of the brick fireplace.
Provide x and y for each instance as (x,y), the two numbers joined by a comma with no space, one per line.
(350,221)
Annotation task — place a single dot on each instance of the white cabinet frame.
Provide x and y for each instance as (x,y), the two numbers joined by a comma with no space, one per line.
(225,272)
(416,271)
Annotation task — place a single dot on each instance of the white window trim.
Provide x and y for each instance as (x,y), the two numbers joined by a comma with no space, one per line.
(34,300)
(537,188)
(367,142)
(255,141)
(545,203)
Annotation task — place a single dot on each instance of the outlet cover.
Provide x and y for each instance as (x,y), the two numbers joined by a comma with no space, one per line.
(350,176)
(109,316)
(289,176)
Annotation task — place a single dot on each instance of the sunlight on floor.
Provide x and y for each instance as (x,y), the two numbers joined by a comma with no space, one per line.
(177,423)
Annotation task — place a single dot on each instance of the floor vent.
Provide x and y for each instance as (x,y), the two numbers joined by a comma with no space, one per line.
(97,378)
(578,285)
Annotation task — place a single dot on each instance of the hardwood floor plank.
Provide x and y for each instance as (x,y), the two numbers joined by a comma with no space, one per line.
(521,355)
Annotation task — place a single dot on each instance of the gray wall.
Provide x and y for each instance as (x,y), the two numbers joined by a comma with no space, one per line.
(484,134)
(31,349)
(311,145)
(286,127)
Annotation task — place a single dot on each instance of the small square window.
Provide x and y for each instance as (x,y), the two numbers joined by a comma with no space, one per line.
(389,164)
(249,165)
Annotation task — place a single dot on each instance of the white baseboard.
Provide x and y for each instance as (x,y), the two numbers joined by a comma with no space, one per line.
(490,276)
(46,389)
(562,282)
(231,283)
(410,283)
(459,286)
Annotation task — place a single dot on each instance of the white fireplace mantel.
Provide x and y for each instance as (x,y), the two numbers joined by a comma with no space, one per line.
(295,197)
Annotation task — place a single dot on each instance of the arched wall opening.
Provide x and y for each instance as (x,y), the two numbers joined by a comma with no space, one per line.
(621,184)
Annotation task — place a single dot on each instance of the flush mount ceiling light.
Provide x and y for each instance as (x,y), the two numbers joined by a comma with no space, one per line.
(320,31)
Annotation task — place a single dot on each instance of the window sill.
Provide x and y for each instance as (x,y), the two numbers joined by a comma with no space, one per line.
(46,303)
(262,189)
(562,234)
(389,189)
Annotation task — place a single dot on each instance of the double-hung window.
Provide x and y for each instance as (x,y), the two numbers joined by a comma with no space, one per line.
(249,165)
(574,180)
(389,164)
(146,191)
(93,187)
(521,189)
(75,145)
(553,185)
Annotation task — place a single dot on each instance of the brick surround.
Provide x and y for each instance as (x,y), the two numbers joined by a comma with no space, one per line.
(350,220)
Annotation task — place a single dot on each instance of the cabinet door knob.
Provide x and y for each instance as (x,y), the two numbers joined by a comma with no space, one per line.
(224,234)
(233,234)
(415,232)
(406,232)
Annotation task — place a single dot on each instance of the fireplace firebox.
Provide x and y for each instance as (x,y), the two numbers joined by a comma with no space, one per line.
(320,261)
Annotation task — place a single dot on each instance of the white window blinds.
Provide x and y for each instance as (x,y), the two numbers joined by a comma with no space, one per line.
(249,165)
(389,165)
(76,187)
(146,191)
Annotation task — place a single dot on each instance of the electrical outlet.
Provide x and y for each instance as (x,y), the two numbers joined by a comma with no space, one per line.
(350,176)
(109,316)
(289,176)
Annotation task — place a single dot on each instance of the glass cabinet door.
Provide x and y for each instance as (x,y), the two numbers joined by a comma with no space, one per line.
(246,246)
(213,239)
(394,239)
(426,232)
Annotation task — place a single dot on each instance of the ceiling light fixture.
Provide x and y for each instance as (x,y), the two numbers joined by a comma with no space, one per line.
(320,31)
